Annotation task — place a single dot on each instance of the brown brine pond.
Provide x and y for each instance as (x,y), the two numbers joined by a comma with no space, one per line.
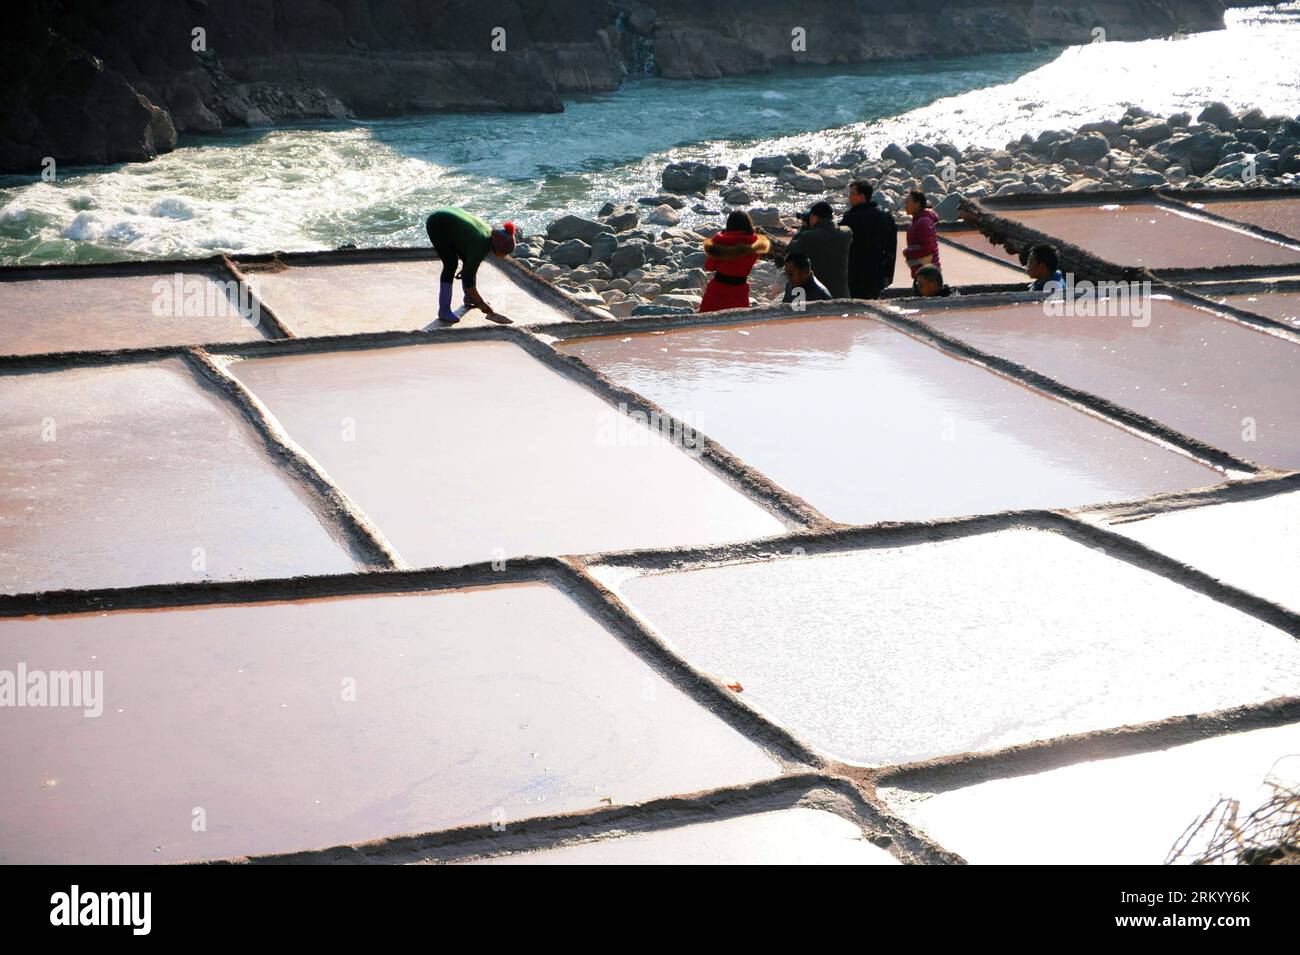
(137,473)
(1153,235)
(1212,378)
(267,728)
(379,296)
(869,424)
(91,313)
(475,451)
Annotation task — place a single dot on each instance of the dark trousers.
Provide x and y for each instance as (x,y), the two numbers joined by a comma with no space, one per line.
(444,246)
(861,289)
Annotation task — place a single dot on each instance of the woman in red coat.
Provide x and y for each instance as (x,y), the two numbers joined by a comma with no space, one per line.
(922,235)
(731,255)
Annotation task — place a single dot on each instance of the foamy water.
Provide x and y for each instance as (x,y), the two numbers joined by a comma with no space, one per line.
(373,183)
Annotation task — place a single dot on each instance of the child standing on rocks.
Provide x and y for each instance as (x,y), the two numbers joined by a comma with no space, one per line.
(730,256)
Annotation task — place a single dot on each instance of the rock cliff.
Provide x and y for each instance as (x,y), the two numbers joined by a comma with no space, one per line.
(100,81)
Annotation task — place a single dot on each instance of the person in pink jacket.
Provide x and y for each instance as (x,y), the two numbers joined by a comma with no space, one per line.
(922,238)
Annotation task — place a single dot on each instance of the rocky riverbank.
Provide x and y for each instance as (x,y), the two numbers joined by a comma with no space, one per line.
(633,259)
(88,81)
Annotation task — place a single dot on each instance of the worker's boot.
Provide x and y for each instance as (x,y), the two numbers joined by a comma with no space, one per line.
(445,314)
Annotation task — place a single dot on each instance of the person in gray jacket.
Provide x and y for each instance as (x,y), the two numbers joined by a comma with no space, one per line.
(827,246)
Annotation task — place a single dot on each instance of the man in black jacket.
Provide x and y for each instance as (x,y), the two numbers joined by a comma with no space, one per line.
(875,243)
(801,285)
(827,245)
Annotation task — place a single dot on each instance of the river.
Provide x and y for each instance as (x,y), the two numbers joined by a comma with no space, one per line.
(372,183)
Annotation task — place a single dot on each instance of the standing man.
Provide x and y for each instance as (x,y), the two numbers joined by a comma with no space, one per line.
(827,246)
(461,238)
(875,243)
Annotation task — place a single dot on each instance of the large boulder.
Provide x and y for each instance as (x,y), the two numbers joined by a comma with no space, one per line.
(1219,115)
(1086,148)
(1149,131)
(687,177)
(1253,119)
(948,208)
(602,247)
(575,227)
(1047,140)
(949,150)
(835,178)
(628,257)
(663,199)
(676,280)
(662,310)
(922,151)
(1107,127)
(1255,138)
(623,218)
(897,154)
(1139,176)
(803,181)
(1197,153)
(571,252)
(62,103)
(663,215)
(768,165)
(1019,188)
(1001,159)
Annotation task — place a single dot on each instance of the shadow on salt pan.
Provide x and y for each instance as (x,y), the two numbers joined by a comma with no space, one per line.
(901,654)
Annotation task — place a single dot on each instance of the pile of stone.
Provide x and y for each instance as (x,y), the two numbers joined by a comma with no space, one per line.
(617,265)
(1217,149)
(636,258)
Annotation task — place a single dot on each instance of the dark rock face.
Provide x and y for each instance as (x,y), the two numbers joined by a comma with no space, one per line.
(692,39)
(75,70)
(64,105)
(98,81)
